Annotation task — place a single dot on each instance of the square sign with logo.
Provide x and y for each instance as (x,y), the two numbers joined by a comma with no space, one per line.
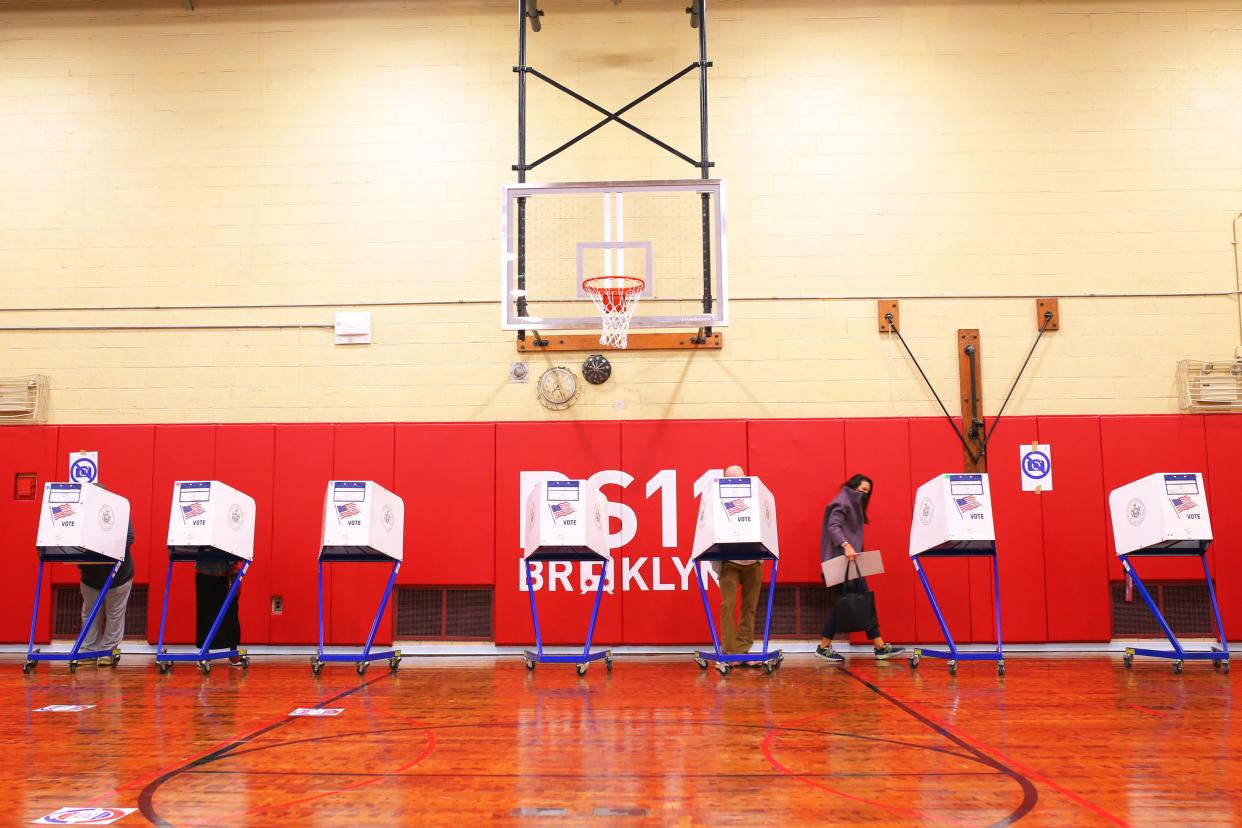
(1035,462)
(64,708)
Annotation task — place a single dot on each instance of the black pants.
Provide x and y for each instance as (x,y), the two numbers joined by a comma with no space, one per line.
(209,593)
(830,624)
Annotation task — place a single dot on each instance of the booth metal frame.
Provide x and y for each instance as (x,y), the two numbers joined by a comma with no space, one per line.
(581,660)
(34,654)
(963,549)
(203,656)
(1219,656)
(771,659)
(364,658)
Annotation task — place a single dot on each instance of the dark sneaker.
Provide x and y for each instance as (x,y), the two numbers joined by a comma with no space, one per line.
(830,654)
(888,651)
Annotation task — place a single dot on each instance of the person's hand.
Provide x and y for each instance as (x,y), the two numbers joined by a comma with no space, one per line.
(849,551)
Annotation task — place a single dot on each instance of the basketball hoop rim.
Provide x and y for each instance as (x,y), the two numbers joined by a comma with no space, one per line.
(635,284)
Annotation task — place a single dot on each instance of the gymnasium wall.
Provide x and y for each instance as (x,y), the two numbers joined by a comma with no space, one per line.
(188,196)
(460,482)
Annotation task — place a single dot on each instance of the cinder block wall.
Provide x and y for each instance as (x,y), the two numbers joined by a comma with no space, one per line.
(260,165)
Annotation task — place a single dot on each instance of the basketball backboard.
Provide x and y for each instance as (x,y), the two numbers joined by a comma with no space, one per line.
(671,234)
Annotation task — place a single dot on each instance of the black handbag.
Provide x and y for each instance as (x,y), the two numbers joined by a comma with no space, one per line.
(855,604)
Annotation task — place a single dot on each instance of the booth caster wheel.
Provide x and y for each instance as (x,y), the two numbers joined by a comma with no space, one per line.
(316,666)
(780,659)
(953,668)
(245,662)
(914,661)
(28,666)
(702,662)
(529,662)
(73,666)
(769,667)
(116,659)
(1128,660)
(581,668)
(204,667)
(362,667)
(1000,668)
(608,661)
(724,667)
(163,666)
(394,664)
(1177,666)
(1224,665)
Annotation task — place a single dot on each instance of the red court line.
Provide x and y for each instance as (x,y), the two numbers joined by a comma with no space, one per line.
(767,753)
(1148,710)
(996,754)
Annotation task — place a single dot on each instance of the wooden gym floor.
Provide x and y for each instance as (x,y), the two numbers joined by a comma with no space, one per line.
(1057,741)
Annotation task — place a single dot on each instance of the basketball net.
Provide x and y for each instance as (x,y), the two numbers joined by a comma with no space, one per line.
(616,297)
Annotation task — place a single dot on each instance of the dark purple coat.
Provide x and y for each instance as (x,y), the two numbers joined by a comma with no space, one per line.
(843,521)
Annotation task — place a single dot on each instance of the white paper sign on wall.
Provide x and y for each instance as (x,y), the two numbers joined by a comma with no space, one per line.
(83,467)
(1035,462)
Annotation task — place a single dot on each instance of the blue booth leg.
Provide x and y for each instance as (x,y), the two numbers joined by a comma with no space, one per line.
(953,655)
(75,653)
(205,655)
(771,659)
(1218,656)
(537,656)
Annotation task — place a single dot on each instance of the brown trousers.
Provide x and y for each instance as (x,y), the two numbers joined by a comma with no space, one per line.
(737,636)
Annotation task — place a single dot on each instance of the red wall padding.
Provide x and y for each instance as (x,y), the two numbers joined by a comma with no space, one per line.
(245,460)
(1075,532)
(649,608)
(460,483)
(1224,450)
(25,450)
(448,469)
(1019,545)
(182,452)
(577,450)
(362,452)
(303,458)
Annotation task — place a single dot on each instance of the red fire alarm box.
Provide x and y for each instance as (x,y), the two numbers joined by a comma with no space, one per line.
(26,486)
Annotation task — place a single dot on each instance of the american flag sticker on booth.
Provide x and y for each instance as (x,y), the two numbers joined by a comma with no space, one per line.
(561,510)
(191,510)
(1182,504)
(965,504)
(734,507)
(347,510)
(61,512)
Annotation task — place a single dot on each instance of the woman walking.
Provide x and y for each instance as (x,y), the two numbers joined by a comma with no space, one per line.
(842,534)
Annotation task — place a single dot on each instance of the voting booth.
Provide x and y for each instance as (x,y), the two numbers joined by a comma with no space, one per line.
(208,521)
(362,523)
(565,520)
(79,523)
(1166,515)
(736,522)
(953,518)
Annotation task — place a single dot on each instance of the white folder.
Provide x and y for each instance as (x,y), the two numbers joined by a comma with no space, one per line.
(869,563)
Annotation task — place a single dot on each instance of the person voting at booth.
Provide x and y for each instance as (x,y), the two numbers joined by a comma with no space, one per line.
(842,534)
(212,581)
(109,627)
(737,636)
